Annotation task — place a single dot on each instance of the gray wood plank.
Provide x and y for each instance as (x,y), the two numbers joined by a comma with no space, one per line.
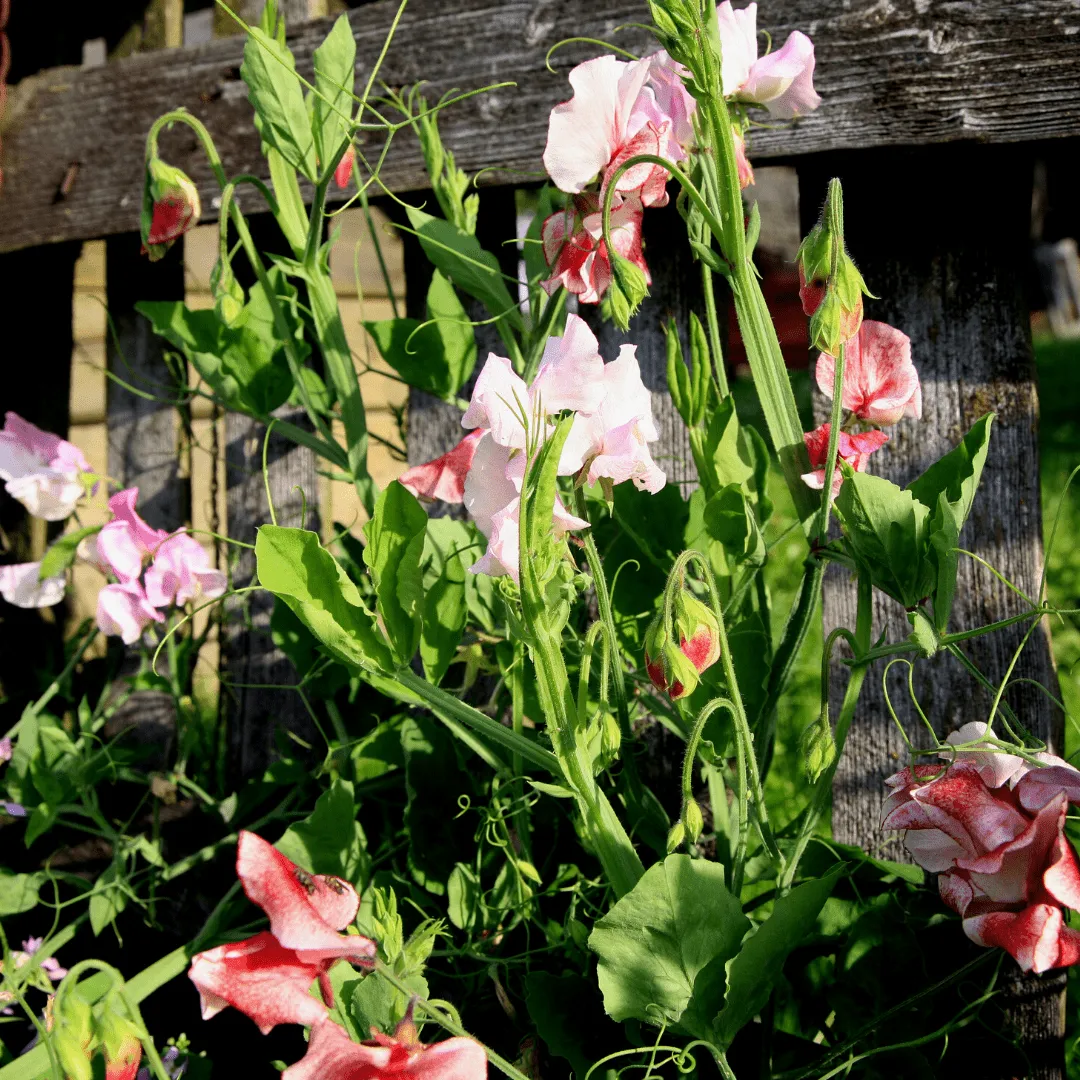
(954,284)
(891,74)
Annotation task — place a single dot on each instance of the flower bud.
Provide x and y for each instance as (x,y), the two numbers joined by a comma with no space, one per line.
(228,294)
(344,170)
(676,837)
(120,1043)
(170,207)
(692,820)
(73,1038)
(629,287)
(667,665)
(818,746)
(698,630)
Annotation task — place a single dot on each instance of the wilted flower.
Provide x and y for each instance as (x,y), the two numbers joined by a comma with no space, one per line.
(268,976)
(1001,856)
(41,470)
(782,81)
(332,1055)
(574,246)
(881,384)
(21,584)
(854,449)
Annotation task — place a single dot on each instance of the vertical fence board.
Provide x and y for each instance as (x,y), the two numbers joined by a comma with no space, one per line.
(948,261)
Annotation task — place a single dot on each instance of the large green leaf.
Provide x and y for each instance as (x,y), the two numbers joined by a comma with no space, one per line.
(445,607)
(957,474)
(395,543)
(108,900)
(729,519)
(293,565)
(724,448)
(437,356)
(330,840)
(19,892)
(274,90)
(760,960)
(663,946)
(335,75)
(461,258)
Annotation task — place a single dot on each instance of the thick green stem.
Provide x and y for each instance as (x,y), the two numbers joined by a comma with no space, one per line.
(713,323)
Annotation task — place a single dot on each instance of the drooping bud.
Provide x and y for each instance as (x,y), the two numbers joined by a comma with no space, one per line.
(826,272)
(629,287)
(170,207)
(227,292)
(692,820)
(698,630)
(818,746)
(667,664)
(676,837)
(343,173)
(73,1038)
(120,1043)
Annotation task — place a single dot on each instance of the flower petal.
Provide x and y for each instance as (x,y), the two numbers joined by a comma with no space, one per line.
(1033,937)
(21,586)
(444,477)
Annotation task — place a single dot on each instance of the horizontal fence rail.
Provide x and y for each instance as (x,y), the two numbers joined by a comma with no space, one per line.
(890,72)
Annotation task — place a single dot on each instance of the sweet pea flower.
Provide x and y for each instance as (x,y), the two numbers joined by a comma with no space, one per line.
(1007,870)
(854,449)
(742,162)
(614,115)
(268,976)
(782,81)
(124,611)
(40,470)
(443,478)
(343,173)
(574,245)
(170,207)
(127,542)
(181,571)
(6,749)
(50,965)
(332,1055)
(21,585)
(881,384)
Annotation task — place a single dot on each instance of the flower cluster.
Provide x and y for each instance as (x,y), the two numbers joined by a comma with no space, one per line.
(624,109)
(608,440)
(880,386)
(49,969)
(154,569)
(991,826)
(268,977)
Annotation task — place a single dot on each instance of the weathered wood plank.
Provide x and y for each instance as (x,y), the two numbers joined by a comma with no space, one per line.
(891,73)
(950,270)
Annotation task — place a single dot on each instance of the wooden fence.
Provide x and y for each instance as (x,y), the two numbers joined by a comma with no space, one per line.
(932,115)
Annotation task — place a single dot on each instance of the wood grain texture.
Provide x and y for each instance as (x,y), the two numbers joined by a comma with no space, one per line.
(949,270)
(891,73)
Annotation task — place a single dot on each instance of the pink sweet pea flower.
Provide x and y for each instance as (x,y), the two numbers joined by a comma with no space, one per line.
(332,1055)
(126,542)
(782,81)
(124,611)
(1047,776)
(6,749)
(881,384)
(742,162)
(50,965)
(21,586)
(613,116)
(854,449)
(41,470)
(574,246)
(343,173)
(181,571)
(1006,870)
(443,478)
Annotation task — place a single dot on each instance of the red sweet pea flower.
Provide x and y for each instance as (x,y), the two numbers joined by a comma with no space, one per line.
(880,382)
(444,478)
(854,449)
(343,173)
(1008,871)
(332,1055)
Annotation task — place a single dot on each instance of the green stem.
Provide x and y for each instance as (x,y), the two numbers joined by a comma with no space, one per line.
(713,322)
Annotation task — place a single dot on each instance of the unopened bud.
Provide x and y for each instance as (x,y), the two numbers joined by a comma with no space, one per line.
(676,837)
(818,746)
(170,207)
(343,173)
(228,294)
(628,288)
(692,820)
(698,630)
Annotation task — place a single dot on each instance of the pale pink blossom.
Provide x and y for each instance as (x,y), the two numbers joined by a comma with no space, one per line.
(332,1055)
(998,767)
(574,245)
(854,449)
(126,543)
(1007,870)
(673,100)
(124,611)
(182,571)
(20,584)
(782,81)
(444,477)
(742,162)
(881,384)
(50,965)
(613,116)
(6,749)
(41,470)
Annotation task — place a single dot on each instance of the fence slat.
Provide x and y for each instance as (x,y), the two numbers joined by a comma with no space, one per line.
(948,264)
(903,73)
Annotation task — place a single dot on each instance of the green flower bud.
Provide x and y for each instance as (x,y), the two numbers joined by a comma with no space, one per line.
(676,838)
(628,288)
(228,294)
(692,820)
(73,1038)
(818,746)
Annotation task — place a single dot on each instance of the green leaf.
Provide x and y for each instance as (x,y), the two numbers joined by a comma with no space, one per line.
(395,536)
(944,542)
(274,91)
(293,565)
(19,892)
(556,791)
(729,519)
(463,896)
(330,840)
(461,258)
(957,474)
(445,608)
(62,553)
(663,946)
(108,900)
(887,528)
(373,1003)
(437,357)
(724,448)
(761,959)
(335,76)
